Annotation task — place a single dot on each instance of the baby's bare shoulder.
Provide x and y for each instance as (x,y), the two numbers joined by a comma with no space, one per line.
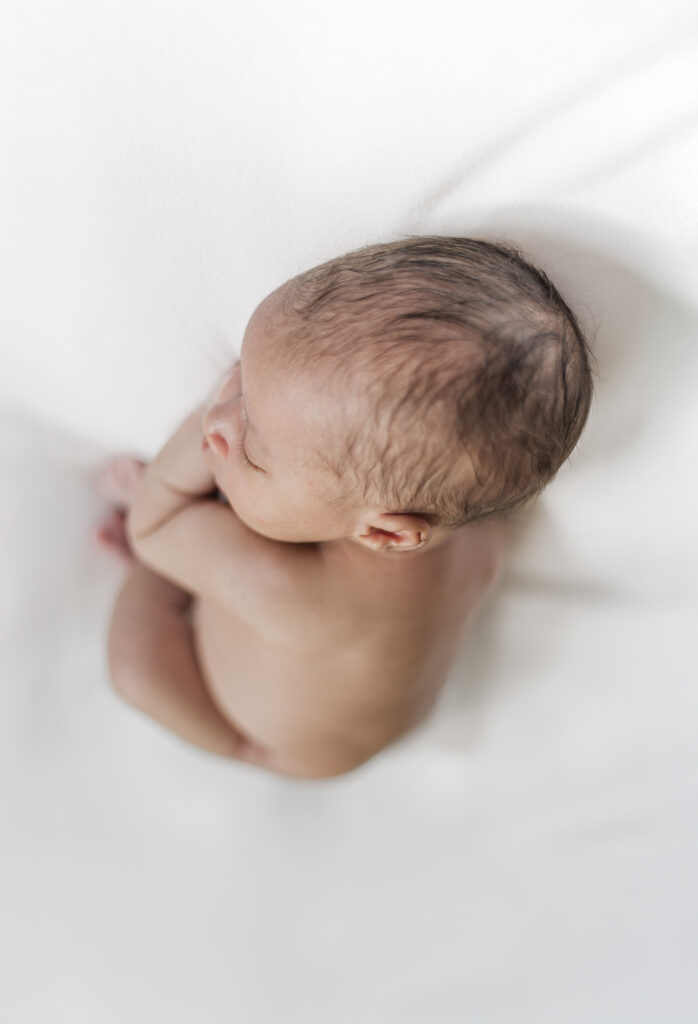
(332,596)
(335,596)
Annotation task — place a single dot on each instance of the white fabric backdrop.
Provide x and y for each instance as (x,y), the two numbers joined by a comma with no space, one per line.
(529,854)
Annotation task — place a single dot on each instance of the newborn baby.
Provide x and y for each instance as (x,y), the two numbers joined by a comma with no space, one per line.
(312,543)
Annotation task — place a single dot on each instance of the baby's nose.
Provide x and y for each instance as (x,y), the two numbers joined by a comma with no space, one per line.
(216,422)
(215,431)
(218,443)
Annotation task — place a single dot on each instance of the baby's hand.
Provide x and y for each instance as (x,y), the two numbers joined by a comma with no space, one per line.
(181,463)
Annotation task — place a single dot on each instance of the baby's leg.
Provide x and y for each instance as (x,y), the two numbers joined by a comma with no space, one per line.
(153,666)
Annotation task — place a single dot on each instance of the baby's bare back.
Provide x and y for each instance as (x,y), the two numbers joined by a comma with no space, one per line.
(356,669)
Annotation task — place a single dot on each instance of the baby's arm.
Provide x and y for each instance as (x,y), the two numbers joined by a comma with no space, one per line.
(177,529)
(177,477)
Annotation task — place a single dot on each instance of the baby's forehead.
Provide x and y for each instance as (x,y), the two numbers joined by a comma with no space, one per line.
(273,326)
(357,354)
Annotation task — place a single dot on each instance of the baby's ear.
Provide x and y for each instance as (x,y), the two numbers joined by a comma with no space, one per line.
(387,532)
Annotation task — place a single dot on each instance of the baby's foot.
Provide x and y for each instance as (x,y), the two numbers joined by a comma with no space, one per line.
(111,535)
(117,479)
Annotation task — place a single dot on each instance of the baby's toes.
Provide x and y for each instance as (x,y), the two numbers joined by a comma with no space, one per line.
(111,535)
(118,478)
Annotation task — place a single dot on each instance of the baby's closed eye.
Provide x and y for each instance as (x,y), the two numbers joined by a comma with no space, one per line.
(245,456)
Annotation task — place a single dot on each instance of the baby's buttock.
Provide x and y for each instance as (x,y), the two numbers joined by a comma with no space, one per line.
(283,702)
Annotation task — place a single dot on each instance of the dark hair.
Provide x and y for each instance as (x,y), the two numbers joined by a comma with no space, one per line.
(475,375)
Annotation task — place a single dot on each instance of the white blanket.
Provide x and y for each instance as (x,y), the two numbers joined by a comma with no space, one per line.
(529,854)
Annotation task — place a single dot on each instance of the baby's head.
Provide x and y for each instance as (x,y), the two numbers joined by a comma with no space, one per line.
(396,393)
